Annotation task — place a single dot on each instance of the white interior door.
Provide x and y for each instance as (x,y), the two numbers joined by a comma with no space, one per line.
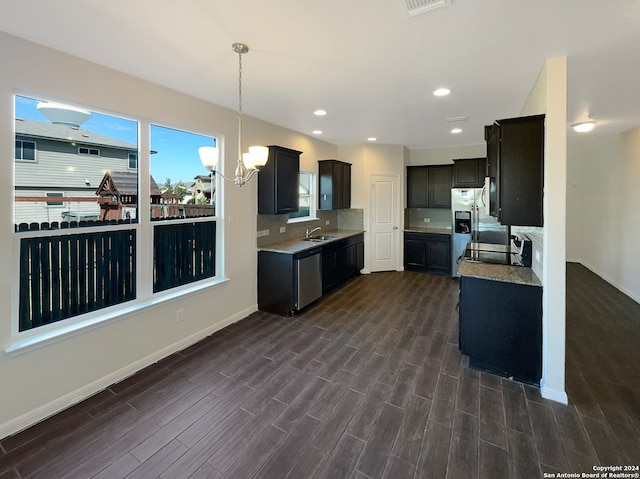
(384,223)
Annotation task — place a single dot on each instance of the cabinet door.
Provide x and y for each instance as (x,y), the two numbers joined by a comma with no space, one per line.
(346,185)
(439,255)
(415,252)
(417,187)
(469,173)
(440,186)
(278,182)
(287,181)
(492,137)
(521,171)
(329,278)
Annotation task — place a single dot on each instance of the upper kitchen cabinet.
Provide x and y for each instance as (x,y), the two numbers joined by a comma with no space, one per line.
(429,186)
(515,152)
(278,182)
(334,185)
(469,173)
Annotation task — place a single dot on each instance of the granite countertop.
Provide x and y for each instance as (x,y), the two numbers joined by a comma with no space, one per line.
(499,272)
(429,229)
(298,245)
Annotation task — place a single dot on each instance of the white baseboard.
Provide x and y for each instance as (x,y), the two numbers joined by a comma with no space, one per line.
(36,415)
(609,280)
(554,394)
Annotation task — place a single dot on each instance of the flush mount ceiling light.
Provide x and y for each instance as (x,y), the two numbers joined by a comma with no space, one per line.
(248,163)
(319,113)
(441,92)
(455,131)
(583,127)
(372,138)
(415,7)
(317,132)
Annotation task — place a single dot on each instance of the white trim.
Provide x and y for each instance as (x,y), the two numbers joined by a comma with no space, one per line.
(74,397)
(608,279)
(553,394)
(50,334)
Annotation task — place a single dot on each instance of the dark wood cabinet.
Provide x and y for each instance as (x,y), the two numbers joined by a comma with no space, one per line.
(278,182)
(500,327)
(429,252)
(341,260)
(515,149)
(429,186)
(334,185)
(469,173)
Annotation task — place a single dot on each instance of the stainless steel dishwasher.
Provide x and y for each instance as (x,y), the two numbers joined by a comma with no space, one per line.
(308,267)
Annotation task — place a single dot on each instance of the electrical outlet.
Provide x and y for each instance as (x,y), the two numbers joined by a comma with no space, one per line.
(327,222)
(427,220)
(538,256)
(179,315)
(283,229)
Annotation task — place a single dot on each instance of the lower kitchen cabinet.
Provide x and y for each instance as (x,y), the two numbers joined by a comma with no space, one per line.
(500,327)
(341,260)
(430,252)
(281,278)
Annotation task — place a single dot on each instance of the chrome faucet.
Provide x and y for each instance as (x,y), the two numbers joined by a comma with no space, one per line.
(310,232)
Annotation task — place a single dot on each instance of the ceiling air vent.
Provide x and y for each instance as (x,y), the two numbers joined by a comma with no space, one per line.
(414,7)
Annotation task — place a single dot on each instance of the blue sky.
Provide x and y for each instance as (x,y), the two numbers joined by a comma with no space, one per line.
(177,151)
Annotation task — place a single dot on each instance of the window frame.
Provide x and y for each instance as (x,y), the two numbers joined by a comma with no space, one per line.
(145,298)
(22,158)
(90,150)
(135,160)
(312,199)
(53,194)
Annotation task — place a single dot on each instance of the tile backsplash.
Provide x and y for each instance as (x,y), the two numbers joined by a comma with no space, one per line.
(278,229)
(438,218)
(537,246)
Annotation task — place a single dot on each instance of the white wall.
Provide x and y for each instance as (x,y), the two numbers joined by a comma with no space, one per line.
(603,218)
(549,96)
(367,160)
(38,383)
(444,156)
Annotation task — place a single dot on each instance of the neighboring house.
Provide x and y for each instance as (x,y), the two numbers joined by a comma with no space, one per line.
(201,188)
(55,160)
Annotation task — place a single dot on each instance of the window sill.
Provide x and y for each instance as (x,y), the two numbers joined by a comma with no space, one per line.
(58,333)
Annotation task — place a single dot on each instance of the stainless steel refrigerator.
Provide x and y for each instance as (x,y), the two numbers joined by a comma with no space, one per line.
(471,222)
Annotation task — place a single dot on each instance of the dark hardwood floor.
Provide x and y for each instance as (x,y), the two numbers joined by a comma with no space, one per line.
(369,383)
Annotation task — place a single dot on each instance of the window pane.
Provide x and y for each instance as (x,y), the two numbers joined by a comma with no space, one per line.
(96,179)
(180,185)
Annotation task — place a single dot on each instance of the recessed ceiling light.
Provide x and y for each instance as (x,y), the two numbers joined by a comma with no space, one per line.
(317,132)
(455,131)
(583,127)
(441,92)
(319,113)
(372,138)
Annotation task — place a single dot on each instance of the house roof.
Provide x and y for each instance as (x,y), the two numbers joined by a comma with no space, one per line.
(67,133)
(124,183)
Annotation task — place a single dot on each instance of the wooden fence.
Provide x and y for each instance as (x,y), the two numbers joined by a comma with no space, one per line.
(183,253)
(67,275)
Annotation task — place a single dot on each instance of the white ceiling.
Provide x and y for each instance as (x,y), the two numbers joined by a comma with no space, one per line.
(367,62)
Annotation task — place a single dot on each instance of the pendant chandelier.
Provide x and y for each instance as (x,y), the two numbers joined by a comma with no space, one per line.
(248,163)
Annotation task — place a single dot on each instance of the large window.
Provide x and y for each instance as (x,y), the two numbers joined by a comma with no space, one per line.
(306,194)
(80,249)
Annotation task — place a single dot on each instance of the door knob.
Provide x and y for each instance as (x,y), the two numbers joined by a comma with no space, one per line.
(395,227)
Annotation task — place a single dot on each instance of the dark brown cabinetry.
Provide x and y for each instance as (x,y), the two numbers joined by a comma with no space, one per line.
(515,152)
(469,173)
(500,327)
(429,186)
(334,185)
(341,260)
(428,252)
(278,182)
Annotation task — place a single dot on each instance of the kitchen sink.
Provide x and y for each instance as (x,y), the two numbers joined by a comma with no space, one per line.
(318,239)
